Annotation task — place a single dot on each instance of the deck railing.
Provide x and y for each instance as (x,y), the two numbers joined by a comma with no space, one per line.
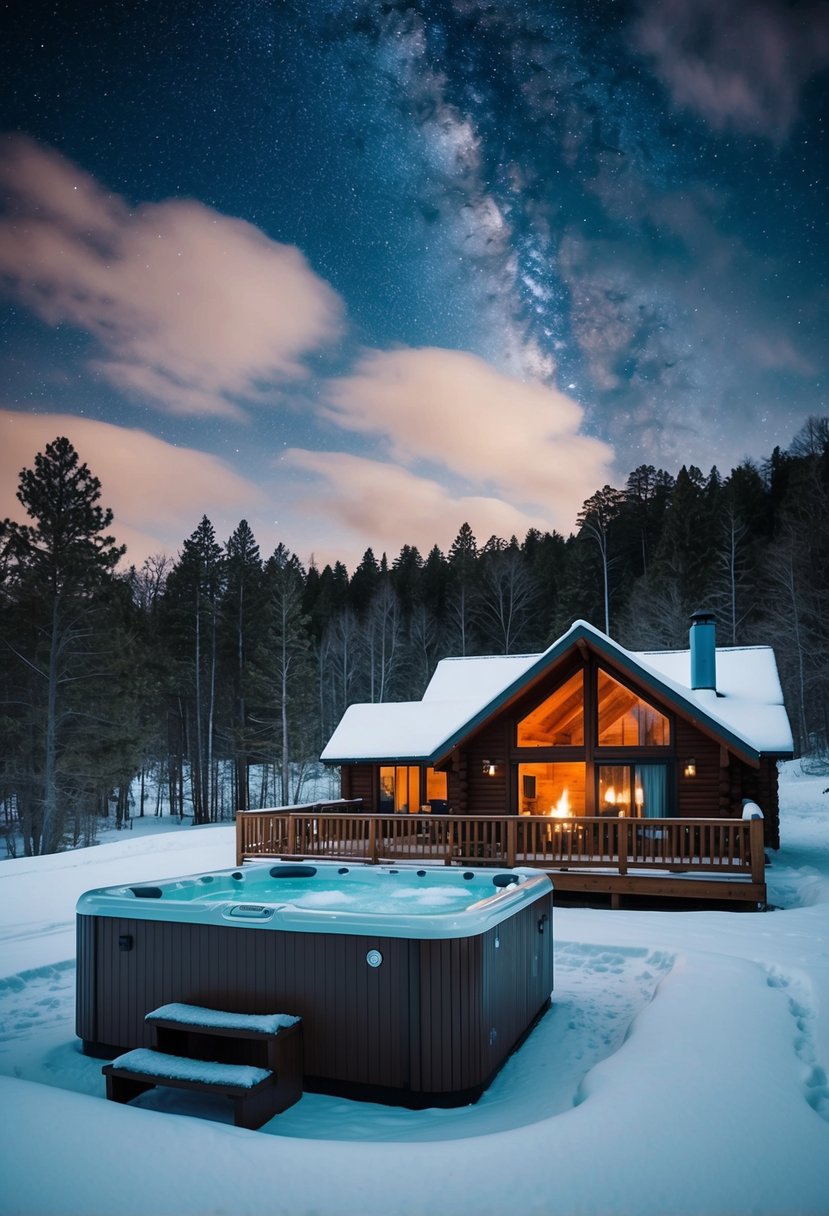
(341,830)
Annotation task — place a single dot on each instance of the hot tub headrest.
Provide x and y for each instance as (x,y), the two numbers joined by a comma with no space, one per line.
(504,880)
(293,871)
(146,892)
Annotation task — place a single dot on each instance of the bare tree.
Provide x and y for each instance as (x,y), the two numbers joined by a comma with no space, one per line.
(595,519)
(384,636)
(507,594)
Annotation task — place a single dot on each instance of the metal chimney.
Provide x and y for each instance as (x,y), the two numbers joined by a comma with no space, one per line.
(703,640)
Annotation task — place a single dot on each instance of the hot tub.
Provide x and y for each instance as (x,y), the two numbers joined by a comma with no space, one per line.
(414,986)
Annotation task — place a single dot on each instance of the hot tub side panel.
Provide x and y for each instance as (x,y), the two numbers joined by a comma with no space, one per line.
(476,999)
(86,980)
(518,979)
(355,1017)
(447,1016)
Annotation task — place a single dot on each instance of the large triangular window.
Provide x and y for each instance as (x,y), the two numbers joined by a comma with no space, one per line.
(559,720)
(626,720)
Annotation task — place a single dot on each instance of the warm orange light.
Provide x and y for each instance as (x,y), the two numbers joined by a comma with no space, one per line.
(691,768)
(610,795)
(561,810)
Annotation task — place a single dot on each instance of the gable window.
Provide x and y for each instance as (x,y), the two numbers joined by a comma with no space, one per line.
(558,721)
(626,720)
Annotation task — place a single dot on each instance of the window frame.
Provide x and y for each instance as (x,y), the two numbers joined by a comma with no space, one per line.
(591,753)
(422,771)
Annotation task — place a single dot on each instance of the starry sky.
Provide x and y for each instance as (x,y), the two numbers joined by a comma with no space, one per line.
(358,271)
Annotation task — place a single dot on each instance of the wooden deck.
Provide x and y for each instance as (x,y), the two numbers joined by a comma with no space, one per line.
(706,859)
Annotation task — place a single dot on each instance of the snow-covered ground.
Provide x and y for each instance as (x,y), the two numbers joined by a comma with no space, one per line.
(682,1069)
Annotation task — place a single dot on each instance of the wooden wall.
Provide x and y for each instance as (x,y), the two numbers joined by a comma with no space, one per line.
(360,781)
(489,795)
(702,796)
(720,788)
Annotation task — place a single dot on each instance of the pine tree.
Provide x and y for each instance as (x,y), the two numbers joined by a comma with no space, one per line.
(243,620)
(191,616)
(57,572)
(463,559)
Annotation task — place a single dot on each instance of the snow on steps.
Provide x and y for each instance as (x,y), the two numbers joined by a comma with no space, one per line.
(197,1016)
(187,1033)
(159,1065)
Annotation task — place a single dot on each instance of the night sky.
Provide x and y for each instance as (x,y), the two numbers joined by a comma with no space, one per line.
(360,271)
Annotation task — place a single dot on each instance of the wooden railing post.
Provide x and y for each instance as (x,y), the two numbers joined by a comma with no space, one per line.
(239,852)
(291,834)
(757,850)
(512,835)
(624,828)
(372,840)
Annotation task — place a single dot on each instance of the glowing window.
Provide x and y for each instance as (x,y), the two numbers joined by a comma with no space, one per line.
(639,790)
(436,787)
(554,790)
(401,786)
(625,720)
(559,720)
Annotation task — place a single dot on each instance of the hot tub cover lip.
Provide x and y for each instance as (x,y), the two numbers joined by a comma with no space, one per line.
(120,901)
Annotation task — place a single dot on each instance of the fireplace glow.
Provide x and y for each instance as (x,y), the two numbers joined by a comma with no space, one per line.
(562,809)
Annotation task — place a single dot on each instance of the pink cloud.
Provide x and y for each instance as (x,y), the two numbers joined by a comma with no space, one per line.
(741,64)
(376,503)
(190,308)
(510,438)
(158,492)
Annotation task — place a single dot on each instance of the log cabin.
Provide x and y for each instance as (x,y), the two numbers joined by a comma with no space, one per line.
(586,732)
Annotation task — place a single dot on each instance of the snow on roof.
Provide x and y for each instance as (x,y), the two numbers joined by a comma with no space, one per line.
(477,679)
(394,730)
(411,730)
(748,700)
(748,703)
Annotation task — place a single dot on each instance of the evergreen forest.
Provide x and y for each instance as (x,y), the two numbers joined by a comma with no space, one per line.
(208,682)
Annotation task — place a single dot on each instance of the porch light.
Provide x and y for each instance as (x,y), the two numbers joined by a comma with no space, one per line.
(489,768)
(691,768)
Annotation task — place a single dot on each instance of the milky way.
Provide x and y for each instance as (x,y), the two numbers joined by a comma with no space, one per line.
(625,202)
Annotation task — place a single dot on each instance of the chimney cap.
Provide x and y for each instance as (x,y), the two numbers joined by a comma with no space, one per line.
(702,618)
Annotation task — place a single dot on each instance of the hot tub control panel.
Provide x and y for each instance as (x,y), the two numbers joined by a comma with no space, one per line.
(251,911)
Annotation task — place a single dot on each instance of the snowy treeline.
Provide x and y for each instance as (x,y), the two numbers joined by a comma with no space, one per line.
(211,681)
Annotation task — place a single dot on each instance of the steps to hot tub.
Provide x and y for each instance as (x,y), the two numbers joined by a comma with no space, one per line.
(253,1059)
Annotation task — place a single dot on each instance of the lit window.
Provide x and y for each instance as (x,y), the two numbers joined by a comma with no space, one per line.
(436,787)
(401,785)
(625,720)
(558,721)
(554,790)
(638,790)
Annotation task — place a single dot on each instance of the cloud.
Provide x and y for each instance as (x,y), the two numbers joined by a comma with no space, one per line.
(191,309)
(741,65)
(376,503)
(158,492)
(451,409)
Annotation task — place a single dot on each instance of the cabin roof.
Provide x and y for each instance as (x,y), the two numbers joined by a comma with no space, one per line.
(746,713)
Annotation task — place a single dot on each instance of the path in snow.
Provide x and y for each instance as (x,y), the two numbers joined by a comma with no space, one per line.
(802,1009)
